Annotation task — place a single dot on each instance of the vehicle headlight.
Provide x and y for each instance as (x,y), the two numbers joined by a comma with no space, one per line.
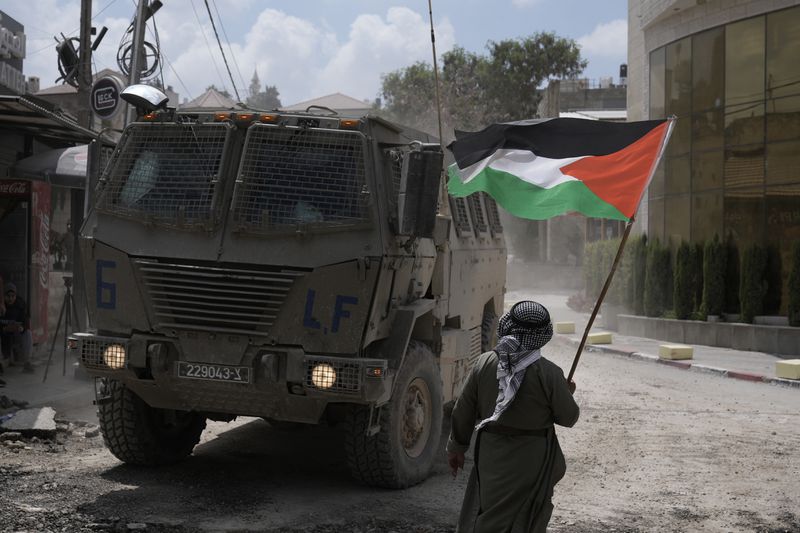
(323,376)
(114,356)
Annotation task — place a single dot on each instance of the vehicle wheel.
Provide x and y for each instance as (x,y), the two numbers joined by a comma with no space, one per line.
(142,435)
(488,330)
(402,453)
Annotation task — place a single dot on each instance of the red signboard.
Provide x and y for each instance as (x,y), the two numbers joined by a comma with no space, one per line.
(40,258)
(15,188)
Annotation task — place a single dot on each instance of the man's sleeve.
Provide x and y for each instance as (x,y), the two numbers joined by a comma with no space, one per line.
(565,409)
(465,413)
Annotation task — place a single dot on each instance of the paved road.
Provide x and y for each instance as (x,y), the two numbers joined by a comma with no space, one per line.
(656,449)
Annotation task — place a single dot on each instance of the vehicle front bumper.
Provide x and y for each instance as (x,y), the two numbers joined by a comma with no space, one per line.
(281,379)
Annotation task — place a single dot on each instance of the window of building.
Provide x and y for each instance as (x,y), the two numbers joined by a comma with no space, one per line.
(708,60)
(783,162)
(744,215)
(657,62)
(744,63)
(783,53)
(676,177)
(707,170)
(678,78)
(706,215)
(678,218)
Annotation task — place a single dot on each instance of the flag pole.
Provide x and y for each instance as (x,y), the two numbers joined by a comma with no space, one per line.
(600,298)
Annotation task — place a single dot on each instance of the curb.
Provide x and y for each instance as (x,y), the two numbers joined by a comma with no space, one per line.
(735,374)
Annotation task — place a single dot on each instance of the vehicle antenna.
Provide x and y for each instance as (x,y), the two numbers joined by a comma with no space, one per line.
(444,206)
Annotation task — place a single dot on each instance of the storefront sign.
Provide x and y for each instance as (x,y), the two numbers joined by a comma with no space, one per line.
(15,187)
(105,97)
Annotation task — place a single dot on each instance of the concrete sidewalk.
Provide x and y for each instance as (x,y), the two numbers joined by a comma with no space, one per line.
(751,366)
(70,396)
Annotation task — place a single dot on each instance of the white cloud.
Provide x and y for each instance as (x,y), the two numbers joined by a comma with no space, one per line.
(609,39)
(376,46)
(302,57)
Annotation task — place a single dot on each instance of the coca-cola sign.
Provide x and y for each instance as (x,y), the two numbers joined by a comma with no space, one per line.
(15,187)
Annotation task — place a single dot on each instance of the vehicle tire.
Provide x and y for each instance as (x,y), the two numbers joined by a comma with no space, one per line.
(402,453)
(142,435)
(488,329)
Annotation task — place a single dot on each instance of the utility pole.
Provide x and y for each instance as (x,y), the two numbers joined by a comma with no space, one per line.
(85,66)
(85,119)
(137,52)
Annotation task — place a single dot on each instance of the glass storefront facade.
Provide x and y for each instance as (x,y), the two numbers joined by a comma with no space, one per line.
(732,167)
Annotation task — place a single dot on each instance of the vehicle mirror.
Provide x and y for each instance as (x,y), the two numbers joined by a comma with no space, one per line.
(418,196)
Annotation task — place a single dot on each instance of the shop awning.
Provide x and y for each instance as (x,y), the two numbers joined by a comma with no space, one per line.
(63,166)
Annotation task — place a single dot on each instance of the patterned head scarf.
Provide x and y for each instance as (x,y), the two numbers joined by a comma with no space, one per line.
(528,323)
(522,331)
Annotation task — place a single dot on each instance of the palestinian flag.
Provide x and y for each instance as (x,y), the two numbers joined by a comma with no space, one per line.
(541,169)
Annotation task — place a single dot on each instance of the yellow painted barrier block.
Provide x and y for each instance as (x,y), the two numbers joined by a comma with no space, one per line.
(565,327)
(601,337)
(675,351)
(788,369)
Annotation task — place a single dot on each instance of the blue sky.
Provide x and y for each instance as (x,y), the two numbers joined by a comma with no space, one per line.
(310,48)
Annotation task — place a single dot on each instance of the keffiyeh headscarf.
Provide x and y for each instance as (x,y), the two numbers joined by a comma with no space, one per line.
(522,332)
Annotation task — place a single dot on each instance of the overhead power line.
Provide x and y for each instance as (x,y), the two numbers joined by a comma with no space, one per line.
(203,31)
(233,56)
(221,51)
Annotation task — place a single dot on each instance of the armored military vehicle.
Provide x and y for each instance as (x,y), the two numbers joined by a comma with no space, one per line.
(299,267)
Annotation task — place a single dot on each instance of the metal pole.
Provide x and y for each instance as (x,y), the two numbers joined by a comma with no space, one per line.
(600,298)
(85,65)
(137,53)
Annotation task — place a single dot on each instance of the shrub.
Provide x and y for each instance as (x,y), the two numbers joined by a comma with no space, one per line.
(683,289)
(697,278)
(794,286)
(657,278)
(599,256)
(774,280)
(639,268)
(752,286)
(714,269)
(591,268)
(732,276)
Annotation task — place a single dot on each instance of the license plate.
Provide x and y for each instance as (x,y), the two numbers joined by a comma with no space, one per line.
(235,374)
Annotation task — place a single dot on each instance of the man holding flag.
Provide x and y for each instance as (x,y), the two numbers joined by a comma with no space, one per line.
(536,169)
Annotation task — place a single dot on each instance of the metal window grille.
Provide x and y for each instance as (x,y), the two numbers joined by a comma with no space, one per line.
(346,375)
(458,206)
(93,350)
(474,345)
(492,214)
(395,156)
(220,298)
(293,177)
(166,173)
(476,210)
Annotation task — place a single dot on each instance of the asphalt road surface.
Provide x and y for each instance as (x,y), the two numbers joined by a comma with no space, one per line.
(656,449)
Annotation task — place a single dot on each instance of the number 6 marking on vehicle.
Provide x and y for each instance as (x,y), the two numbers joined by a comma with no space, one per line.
(105,288)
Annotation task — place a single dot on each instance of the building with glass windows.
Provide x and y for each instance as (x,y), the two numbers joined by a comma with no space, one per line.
(729,70)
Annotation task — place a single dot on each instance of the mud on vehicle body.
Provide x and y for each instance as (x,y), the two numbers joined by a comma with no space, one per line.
(296,267)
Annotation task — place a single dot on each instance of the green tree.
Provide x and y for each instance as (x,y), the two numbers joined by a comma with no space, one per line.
(714,270)
(752,284)
(794,286)
(480,89)
(269,98)
(683,289)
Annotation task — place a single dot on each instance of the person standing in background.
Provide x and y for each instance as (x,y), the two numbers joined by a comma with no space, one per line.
(15,337)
